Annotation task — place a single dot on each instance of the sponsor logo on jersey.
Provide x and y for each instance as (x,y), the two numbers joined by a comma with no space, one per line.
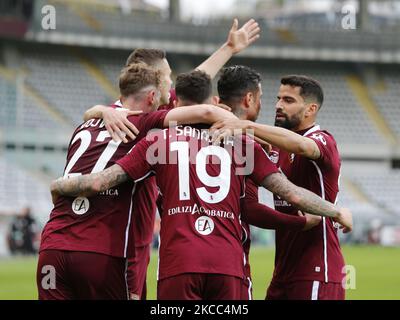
(320,137)
(80,205)
(200,210)
(204,225)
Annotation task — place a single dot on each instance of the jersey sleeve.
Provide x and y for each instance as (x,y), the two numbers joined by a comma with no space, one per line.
(263,166)
(151,120)
(135,163)
(262,216)
(327,148)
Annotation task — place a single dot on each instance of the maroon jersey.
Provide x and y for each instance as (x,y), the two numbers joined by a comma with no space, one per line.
(144,213)
(100,223)
(251,193)
(201,186)
(314,254)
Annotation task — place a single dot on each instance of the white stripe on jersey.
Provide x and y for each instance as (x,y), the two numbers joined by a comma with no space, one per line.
(158,259)
(314,293)
(321,181)
(129,221)
(250,287)
(126,280)
(130,211)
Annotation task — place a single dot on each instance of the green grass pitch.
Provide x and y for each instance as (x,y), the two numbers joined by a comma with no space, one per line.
(377,273)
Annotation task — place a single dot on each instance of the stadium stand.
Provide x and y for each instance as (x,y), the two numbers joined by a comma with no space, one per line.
(30,115)
(382,187)
(387,98)
(63,81)
(21,188)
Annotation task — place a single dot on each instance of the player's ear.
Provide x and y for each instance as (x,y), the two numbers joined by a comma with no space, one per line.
(248,98)
(311,110)
(215,100)
(151,96)
(178,103)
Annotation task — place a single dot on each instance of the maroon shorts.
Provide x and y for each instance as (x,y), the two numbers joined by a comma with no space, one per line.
(73,275)
(200,286)
(247,289)
(305,290)
(136,273)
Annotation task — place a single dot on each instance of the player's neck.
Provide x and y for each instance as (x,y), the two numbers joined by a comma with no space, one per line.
(133,105)
(304,126)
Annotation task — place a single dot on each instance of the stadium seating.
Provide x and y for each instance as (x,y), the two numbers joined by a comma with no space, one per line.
(306,29)
(20,188)
(387,99)
(30,115)
(63,82)
(382,188)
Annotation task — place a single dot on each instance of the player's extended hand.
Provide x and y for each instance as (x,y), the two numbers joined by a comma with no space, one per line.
(345,219)
(239,39)
(53,190)
(265,145)
(225,128)
(118,125)
(311,220)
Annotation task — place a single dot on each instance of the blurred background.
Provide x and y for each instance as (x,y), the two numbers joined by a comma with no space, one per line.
(58,58)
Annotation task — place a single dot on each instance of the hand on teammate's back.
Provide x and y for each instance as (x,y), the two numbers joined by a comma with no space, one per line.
(118,125)
(225,128)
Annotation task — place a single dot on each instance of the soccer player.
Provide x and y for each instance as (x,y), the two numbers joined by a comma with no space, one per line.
(120,128)
(201,253)
(86,240)
(239,87)
(308,265)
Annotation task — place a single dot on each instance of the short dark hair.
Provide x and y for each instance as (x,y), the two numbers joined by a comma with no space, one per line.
(147,56)
(236,81)
(309,87)
(194,87)
(137,76)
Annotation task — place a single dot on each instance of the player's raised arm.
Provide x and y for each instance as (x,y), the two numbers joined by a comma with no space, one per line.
(89,184)
(238,40)
(306,200)
(208,114)
(279,137)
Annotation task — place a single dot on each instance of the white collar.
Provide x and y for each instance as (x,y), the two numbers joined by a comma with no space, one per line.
(311,130)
